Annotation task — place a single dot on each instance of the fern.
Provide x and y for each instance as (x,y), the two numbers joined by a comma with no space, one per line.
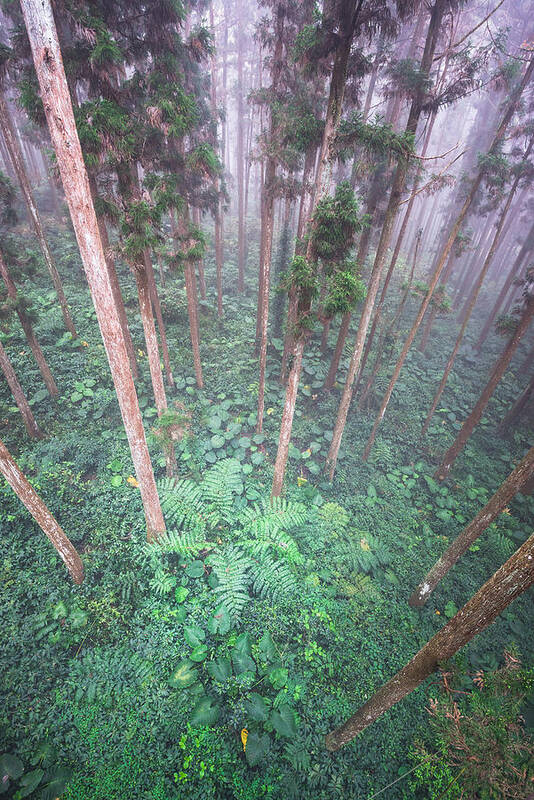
(186,544)
(273,580)
(183,504)
(360,553)
(281,543)
(271,515)
(221,482)
(231,566)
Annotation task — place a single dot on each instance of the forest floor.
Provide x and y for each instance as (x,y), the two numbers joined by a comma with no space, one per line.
(139,681)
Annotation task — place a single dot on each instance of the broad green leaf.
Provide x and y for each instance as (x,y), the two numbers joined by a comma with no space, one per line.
(258,745)
(184,675)
(278,677)
(217,441)
(199,653)
(194,635)
(195,569)
(241,655)
(267,647)
(11,765)
(256,707)
(220,622)
(180,593)
(220,670)
(28,783)
(56,783)
(205,712)
(283,721)
(116,480)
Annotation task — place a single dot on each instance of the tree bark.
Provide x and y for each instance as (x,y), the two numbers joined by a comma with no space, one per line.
(526,248)
(267,219)
(492,509)
(287,419)
(58,108)
(18,394)
(511,580)
(399,182)
(498,371)
(48,524)
(518,407)
(473,299)
(216,182)
(154,296)
(15,154)
(201,275)
(241,234)
(499,134)
(27,327)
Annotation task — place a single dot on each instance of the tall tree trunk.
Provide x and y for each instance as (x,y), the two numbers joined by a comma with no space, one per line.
(18,395)
(201,275)
(267,219)
(511,580)
(154,296)
(48,524)
(27,327)
(192,310)
(507,116)
(526,248)
(472,300)
(114,282)
(240,157)
(498,371)
(518,407)
(322,185)
(460,545)
(397,188)
(219,257)
(15,154)
(58,108)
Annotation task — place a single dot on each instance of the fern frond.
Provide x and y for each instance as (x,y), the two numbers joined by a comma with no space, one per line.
(280,542)
(183,505)
(221,482)
(231,566)
(187,543)
(273,580)
(271,515)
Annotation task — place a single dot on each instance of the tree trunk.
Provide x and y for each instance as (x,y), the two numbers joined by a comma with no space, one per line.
(216,182)
(397,188)
(15,154)
(518,407)
(48,524)
(492,509)
(192,310)
(267,221)
(240,158)
(27,327)
(20,398)
(472,300)
(154,296)
(114,281)
(57,104)
(511,580)
(526,248)
(287,419)
(498,371)
(507,116)
(201,276)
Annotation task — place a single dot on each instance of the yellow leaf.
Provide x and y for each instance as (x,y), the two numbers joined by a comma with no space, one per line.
(506,510)
(364,544)
(140,352)
(132,481)
(270,411)
(301,481)
(244,737)
(84,343)
(438,612)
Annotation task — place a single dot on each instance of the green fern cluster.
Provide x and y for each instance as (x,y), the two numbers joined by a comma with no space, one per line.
(248,549)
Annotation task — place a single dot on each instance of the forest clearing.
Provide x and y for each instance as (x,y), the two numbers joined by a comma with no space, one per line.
(267,399)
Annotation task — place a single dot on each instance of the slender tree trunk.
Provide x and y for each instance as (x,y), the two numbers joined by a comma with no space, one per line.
(527,363)
(241,233)
(151,339)
(201,276)
(460,545)
(216,181)
(192,310)
(20,398)
(507,116)
(15,154)
(48,524)
(154,296)
(267,220)
(115,286)
(472,301)
(518,407)
(58,108)
(397,188)
(287,419)
(498,371)
(526,248)
(27,327)
(511,580)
